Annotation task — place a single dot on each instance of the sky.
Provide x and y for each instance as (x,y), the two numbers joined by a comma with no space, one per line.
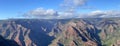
(55,9)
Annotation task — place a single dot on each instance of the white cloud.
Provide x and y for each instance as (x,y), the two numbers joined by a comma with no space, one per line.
(64,15)
(96,13)
(69,11)
(42,13)
(69,8)
(99,13)
(52,14)
(79,2)
(73,3)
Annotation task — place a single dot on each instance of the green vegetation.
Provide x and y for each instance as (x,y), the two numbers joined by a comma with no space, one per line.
(112,38)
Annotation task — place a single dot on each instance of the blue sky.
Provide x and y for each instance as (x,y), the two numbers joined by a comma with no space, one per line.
(16,8)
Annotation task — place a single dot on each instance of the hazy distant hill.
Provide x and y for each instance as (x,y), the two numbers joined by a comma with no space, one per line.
(62,32)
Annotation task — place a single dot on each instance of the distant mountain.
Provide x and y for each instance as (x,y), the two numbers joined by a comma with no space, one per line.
(62,32)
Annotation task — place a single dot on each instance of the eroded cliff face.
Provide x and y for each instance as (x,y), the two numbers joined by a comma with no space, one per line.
(64,32)
(17,32)
(78,33)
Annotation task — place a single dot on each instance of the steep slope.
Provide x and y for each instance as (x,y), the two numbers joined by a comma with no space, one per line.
(76,33)
(11,30)
(6,42)
(110,31)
